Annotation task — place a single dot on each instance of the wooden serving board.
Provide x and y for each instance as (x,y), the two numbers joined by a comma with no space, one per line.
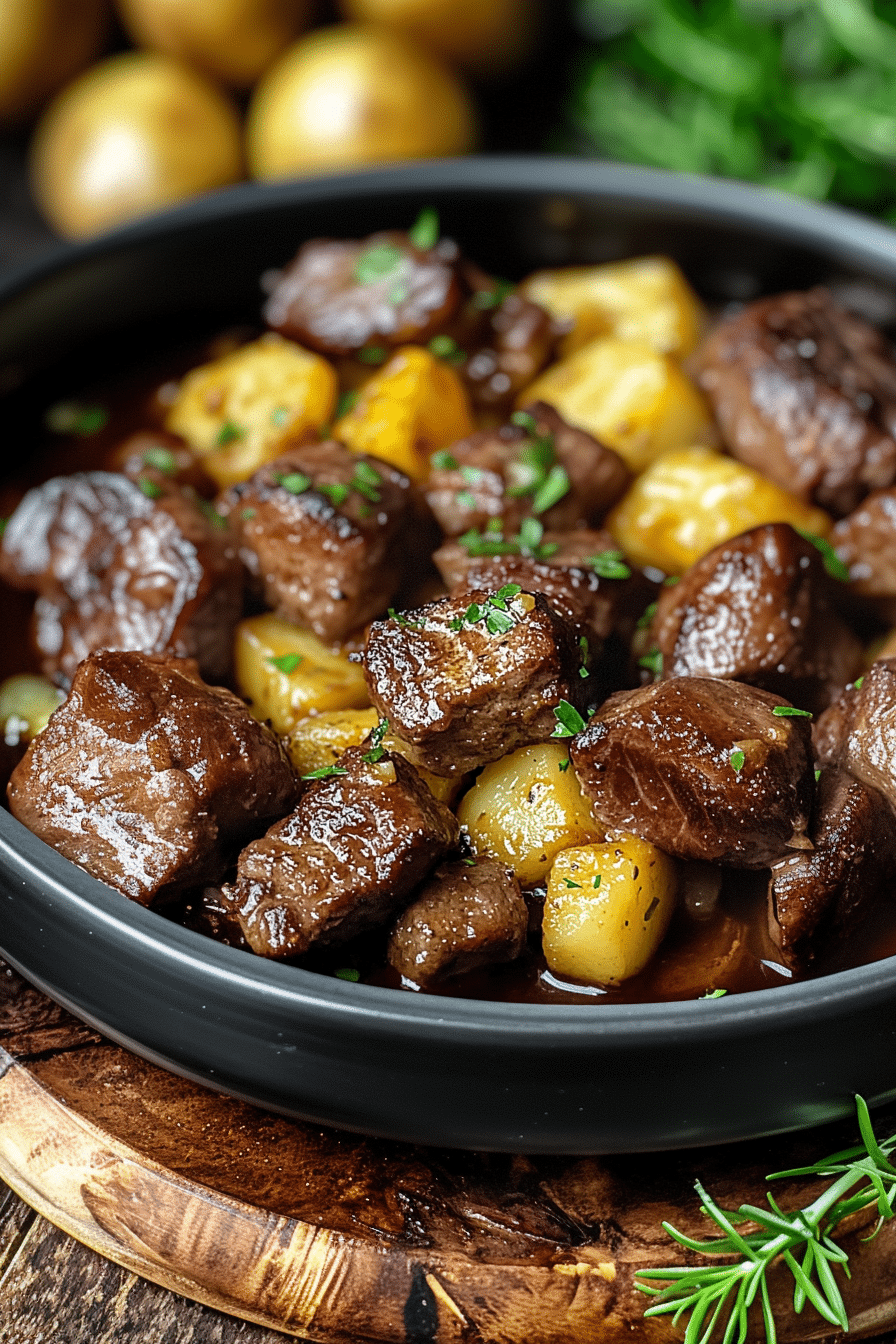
(341,1239)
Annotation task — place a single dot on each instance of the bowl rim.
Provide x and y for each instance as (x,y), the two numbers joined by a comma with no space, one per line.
(844,237)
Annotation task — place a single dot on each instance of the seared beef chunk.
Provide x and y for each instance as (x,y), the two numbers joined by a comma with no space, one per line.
(157,456)
(866,543)
(806,393)
(465,680)
(758,608)
(820,894)
(124,564)
(339,296)
(148,778)
(858,732)
(346,860)
(702,768)
(537,465)
(469,914)
(330,535)
(518,342)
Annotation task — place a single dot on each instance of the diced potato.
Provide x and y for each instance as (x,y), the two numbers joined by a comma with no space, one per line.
(26,703)
(607,909)
(641,299)
(691,500)
(527,807)
(239,411)
(628,396)
(319,741)
(286,673)
(413,406)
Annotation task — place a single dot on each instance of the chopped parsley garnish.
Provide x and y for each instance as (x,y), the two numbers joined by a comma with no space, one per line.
(424,232)
(493,611)
(3,522)
(652,662)
(366,481)
(373,354)
(70,417)
(247,514)
(348,973)
(377,262)
(832,562)
(737,759)
(646,616)
(447,349)
(857,684)
(492,542)
(296,482)
(472,475)
(485,299)
(670,580)
(569,720)
(326,772)
(286,662)
(377,750)
(161,458)
(609,565)
(471,863)
(714,994)
(596,883)
(228,433)
(211,513)
(347,402)
(337,493)
(789,712)
(150,488)
(563,766)
(536,471)
(817,776)
(406,622)
(569,882)
(444,461)
(465,499)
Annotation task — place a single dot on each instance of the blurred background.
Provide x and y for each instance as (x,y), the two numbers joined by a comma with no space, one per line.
(110,109)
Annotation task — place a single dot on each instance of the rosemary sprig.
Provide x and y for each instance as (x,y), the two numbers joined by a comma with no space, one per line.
(705,1291)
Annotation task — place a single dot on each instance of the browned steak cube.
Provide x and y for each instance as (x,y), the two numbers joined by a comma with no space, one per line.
(340,296)
(158,456)
(818,895)
(759,608)
(346,860)
(858,731)
(124,564)
(805,392)
(329,534)
(865,541)
(702,768)
(469,914)
(519,340)
(148,778)
(467,679)
(536,466)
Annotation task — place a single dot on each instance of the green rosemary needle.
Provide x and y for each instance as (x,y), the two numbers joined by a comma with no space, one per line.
(706,1292)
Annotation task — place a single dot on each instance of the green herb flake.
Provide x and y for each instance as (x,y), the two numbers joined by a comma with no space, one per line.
(3,522)
(150,488)
(646,617)
(471,863)
(524,420)
(279,416)
(609,565)
(444,461)
(714,994)
(90,421)
(569,882)
(737,759)
(596,883)
(569,720)
(670,580)
(296,482)
(652,662)
(211,513)
(366,481)
(373,354)
(287,662)
(336,493)
(485,299)
(162,459)
(377,750)
(405,622)
(552,489)
(377,262)
(465,499)
(789,712)
(472,475)
(347,402)
(447,349)
(247,514)
(563,766)
(348,973)
(71,417)
(424,232)
(228,433)
(832,562)
(857,684)
(326,772)
(817,776)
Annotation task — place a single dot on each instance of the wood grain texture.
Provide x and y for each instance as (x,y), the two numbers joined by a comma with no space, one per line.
(345,1240)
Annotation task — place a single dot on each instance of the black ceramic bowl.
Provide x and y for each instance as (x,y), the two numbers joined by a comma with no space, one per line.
(529,1078)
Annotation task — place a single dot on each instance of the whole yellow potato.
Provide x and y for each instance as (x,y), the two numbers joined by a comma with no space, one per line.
(486,38)
(230,40)
(43,44)
(352,95)
(134,134)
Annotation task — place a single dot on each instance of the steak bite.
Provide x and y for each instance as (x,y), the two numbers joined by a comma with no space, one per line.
(702,768)
(821,894)
(469,914)
(329,535)
(536,465)
(337,296)
(346,860)
(467,679)
(805,392)
(858,731)
(124,564)
(519,339)
(759,608)
(149,779)
(865,541)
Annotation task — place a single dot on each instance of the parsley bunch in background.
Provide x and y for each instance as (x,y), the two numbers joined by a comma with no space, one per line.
(794,94)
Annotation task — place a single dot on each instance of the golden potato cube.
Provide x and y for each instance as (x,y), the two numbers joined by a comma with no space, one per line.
(26,703)
(607,909)
(527,807)
(239,411)
(641,299)
(286,673)
(691,500)
(413,406)
(320,740)
(628,396)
